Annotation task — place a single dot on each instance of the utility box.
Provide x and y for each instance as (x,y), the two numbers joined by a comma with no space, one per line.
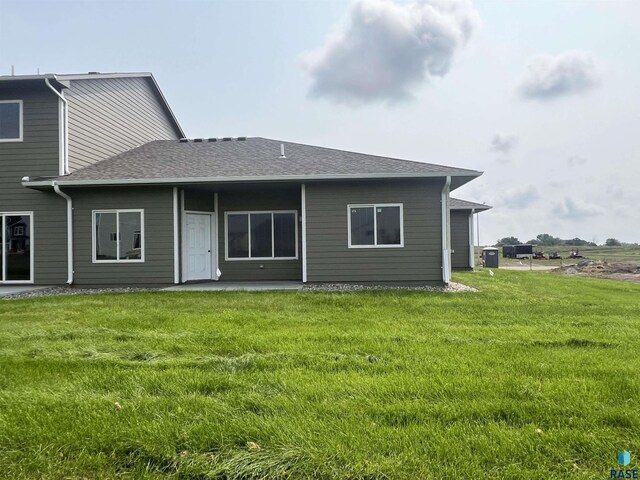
(490,257)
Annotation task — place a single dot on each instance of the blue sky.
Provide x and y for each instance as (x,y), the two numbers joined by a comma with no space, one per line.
(566,153)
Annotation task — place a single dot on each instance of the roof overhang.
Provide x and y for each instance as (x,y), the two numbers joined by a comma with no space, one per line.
(456,179)
(481,208)
(32,80)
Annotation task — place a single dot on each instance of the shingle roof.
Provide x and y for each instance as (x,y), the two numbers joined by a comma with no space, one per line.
(457,204)
(250,159)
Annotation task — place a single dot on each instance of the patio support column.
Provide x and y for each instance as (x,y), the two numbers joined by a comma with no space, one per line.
(183,224)
(304,231)
(214,238)
(176,244)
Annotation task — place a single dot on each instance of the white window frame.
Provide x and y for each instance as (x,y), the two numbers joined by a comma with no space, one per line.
(273,245)
(3,247)
(375,224)
(20,120)
(118,211)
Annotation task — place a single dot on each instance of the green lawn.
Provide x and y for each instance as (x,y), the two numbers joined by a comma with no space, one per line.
(536,376)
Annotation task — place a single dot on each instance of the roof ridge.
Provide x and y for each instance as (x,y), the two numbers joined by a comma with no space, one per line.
(370,154)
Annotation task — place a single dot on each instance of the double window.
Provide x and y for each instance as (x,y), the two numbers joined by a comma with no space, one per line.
(16,247)
(118,236)
(263,235)
(10,120)
(375,225)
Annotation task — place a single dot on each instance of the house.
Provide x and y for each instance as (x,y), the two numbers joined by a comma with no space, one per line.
(462,232)
(99,172)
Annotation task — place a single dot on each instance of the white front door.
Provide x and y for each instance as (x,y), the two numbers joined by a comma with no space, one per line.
(198,246)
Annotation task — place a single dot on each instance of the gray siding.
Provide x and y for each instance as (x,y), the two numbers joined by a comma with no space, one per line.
(272,199)
(199,200)
(460,239)
(36,155)
(110,116)
(328,257)
(157,203)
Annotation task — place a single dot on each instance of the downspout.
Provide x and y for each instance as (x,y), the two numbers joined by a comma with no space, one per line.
(64,130)
(56,188)
(472,255)
(303,208)
(446,238)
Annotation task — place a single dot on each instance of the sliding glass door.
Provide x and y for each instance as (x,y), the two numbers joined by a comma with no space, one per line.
(16,258)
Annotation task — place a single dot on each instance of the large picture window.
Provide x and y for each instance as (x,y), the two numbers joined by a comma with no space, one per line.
(261,235)
(118,236)
(10,120)
(16,247)
(375,225)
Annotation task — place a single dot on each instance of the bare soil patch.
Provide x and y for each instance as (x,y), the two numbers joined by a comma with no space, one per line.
(613,271)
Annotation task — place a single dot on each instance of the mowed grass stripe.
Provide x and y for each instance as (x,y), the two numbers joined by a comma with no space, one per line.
(535,376)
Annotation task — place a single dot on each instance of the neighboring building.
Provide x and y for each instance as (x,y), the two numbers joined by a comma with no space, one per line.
(97,170)
(39,137)
(462,232)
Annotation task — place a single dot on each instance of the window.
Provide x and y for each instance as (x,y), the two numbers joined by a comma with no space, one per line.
(261,235)
(378,225)
(118,236)
(16,247)
(10,120)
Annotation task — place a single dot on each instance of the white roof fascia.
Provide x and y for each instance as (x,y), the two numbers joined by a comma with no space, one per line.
(274,178)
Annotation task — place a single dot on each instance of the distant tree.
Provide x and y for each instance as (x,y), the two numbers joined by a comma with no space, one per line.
(612,242)
(577,242)
(508,241)
(545,239)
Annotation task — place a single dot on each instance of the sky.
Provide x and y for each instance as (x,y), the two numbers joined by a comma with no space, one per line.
(540,95)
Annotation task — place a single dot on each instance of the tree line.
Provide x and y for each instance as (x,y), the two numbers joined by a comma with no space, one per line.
(546,240)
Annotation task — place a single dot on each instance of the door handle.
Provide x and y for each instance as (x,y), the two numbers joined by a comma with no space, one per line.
(208,251)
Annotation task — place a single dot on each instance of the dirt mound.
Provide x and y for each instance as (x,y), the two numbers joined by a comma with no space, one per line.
(614,271)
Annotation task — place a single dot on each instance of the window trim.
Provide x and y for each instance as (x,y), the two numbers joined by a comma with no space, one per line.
(3,216)
(273,245)
(117,211)
(20,121)
(375,224)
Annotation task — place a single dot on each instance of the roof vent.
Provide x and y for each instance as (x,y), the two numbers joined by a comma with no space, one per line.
(242,139)
(213,139)
(282,155)
(226,139)
(184,140)
(198,139)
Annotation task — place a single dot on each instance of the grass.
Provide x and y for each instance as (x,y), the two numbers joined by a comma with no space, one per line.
(536,376)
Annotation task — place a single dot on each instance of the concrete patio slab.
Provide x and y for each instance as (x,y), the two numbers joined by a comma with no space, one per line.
(235,287)
(12,290)
(533,268)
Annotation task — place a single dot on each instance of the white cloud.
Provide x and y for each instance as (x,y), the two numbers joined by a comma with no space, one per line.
(503,143)
(520,197)
(569,209)
(386,49)
(576,161)
(548,77)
